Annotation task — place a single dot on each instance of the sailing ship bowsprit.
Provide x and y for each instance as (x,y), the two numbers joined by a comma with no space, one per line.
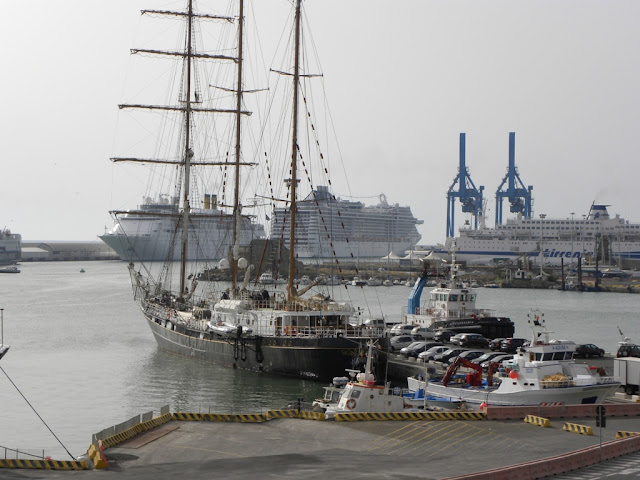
(277,332)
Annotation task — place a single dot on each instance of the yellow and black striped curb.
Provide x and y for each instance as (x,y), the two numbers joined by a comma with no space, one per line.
(219,417)
(306,415)
(282,414)
(129,433)
(44,464)
(247,417)
(576,428)
(356,417)
(540,421)
(622,434)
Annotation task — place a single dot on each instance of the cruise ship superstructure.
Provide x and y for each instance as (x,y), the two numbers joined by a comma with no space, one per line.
(149,232)
(556,238)
(329,227)
(10,247)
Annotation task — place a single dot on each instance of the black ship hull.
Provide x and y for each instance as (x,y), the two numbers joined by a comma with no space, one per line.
(312,358)
(488,327)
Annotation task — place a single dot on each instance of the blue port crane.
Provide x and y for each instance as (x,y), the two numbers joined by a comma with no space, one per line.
(518,195)
(470,196)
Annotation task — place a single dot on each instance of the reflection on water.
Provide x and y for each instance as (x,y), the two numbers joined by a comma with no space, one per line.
(195,386)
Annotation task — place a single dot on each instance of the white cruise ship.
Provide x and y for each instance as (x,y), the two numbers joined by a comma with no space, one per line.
(147,233)
(556,238)
(329,227)
(10,247)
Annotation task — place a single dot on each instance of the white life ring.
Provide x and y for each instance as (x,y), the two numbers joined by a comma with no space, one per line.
(351,403)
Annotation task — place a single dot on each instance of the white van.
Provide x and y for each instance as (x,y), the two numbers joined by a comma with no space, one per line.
(423,332)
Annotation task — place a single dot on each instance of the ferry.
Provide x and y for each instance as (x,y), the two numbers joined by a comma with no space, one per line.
(550,241)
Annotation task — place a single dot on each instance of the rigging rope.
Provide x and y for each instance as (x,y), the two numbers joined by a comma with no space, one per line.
(45,423)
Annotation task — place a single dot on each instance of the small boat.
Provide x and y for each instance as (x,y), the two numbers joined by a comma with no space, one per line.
(226,328)
(358,282)
(388,283)
(9,269)
(82,270)
(266,279)
(543,372)
(304,280)
(332,394)
(374,281)
(362,395)
(491,285)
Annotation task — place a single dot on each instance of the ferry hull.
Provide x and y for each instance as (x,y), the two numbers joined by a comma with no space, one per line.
(300,357)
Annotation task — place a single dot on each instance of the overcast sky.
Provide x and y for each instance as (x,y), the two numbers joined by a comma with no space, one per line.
(403,80)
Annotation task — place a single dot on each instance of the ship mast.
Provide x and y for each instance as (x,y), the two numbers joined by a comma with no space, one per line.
(188,109)
(294,154)
(236,200)
(188,155)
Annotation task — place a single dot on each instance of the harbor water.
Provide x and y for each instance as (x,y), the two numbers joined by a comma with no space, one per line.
(83,357)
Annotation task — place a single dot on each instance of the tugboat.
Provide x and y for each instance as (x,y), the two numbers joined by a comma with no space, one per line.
(452,306)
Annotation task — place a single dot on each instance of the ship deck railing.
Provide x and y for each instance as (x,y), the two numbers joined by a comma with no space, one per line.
(330,332)
(451,314)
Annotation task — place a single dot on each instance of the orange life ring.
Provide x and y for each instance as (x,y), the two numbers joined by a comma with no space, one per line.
(351,403)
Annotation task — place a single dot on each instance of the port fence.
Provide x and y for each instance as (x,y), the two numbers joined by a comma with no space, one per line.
(22,453)
(121,427)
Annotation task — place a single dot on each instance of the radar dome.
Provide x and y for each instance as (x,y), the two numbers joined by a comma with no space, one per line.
(242,263)
(223,264)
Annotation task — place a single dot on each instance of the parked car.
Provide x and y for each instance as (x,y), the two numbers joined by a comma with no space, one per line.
(414,349)
(443,335)
(588,350)
(474,340)
(494,344)
(497,359)
(467,355)
(431,353)
(455,339)
(423,332)
(628,350)
(400,341)
(447,354)
(486,357)
(510,345)
(401,329)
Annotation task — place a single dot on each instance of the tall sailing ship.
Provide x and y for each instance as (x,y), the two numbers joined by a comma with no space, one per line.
(357,230)
(271,330)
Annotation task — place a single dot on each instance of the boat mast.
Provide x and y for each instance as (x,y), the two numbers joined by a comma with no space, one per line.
(188,154)
(294,154)
(236,200)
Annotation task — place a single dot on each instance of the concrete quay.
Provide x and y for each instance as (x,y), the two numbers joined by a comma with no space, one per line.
(297,448)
